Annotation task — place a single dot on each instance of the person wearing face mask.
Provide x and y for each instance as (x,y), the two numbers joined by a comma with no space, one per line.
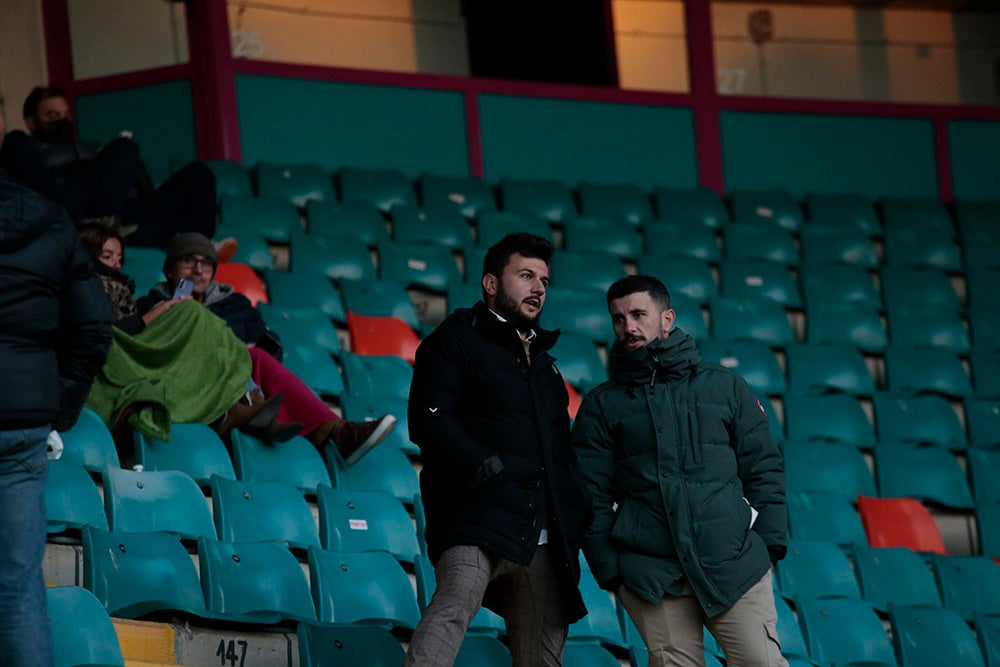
(93,181)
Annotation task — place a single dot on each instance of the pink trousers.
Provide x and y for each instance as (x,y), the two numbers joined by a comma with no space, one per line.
(300,403)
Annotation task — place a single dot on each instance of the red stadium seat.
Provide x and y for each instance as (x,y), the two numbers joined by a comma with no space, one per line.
(900,522)
(372,335)
(244,279)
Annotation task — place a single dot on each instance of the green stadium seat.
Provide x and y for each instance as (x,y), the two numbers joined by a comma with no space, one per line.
(357,521)
(756,362)
(912,371)
(90,442)
(469,196)
(230,178)
(305,290)
(750,319)
(381,188)
(854,324)
(295,462)
(273,218)
(820,369)
(581,310)
(970,585)
(354,220)
(585,269)
(605,235)
(824,516)
(307,326)
(774,424)
(760,242)
(362,408)
(844,631)
(971,215)
(145,267)
(380,298)
(894,575)
(485,622)
(951,642)
(72,500)
(682,275)
(988,525)
(480,651)
(816,569)
(194,449)
(924,213)
(546,198)
(928,326)
(333,258)
(326,645)
(826,467)
(915,246)
(701,205)
(825,243)
(362,588)
(917,420)
(385,469)
(982,418)
(135,574)
(918,286)
(626,203)
(297,184)
(988,634)
(247,511)
(828,417)
(690,317)
(579,360)
(418,265)
(793,644)
(773,207)
(83,631)
(601,622)
(981,248)
(316,368)
(147,501)
(682,238)
(253,251)
(756,279)
(929,474)
(824,282)
(846,211)
(439,226)
(377,375)
(491,226)
(259,582)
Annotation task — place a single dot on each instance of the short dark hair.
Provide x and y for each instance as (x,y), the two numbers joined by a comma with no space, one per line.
(632,284)
(35,97)
(521,243)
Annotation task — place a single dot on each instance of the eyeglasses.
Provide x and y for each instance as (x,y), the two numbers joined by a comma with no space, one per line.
(190,261)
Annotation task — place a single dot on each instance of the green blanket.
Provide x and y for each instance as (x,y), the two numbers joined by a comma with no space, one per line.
(186,366)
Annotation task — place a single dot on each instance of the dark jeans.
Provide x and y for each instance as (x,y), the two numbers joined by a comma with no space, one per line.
(25,631)
(104,185)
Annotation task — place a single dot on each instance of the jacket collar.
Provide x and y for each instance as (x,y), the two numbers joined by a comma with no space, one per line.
(669,359)
(504,332)
(216,291)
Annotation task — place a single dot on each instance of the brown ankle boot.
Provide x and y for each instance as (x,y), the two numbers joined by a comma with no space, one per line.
(252,411)
(276,431)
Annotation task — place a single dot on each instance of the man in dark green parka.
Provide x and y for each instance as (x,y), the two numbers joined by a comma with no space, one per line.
(688,489)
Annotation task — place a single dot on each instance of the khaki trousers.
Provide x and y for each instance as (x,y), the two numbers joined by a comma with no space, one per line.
(672,629)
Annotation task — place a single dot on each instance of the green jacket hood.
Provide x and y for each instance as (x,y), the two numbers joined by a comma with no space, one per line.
(668,359)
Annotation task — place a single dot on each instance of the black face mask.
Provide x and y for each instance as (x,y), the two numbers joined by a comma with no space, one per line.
(55,132)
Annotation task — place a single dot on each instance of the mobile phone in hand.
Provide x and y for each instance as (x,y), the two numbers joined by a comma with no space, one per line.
(184,288)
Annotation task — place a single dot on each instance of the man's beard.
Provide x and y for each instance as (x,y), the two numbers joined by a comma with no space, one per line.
(55,132)
(511,310)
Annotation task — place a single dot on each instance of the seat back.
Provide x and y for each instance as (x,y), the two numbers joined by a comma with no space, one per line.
(83,633)
(381,298)
(900,522)
(296,183)
(818,369)
(230,178)
(385,469)
(362,588)
(381,375)
(381,188)
(755,361)
(90,442)
(470,196)
(262,511)
(358,521)
(71,498)
(622,203)
(590,270)
(295,462)
(334,258)
(579,361)
(681,238)
(166,500)
(323,645)
(443,226)
(848,211)
(302,326)
(750,319)
(894,575)
(242,277)
(768,243)
(773,207)
(372,335)
(134,574)
(759,279)
(689,276)
(546,198)
(844,631)
(853,324)
(258,582)
(929,474)
(194,449)
(839,244)
(951,642)
(969,585)
(831,417)
(305,290)
(920,420)
(816,569)
(826,467)
(824,516)
(601,234)
(354,220)
(692,204)
(418,265)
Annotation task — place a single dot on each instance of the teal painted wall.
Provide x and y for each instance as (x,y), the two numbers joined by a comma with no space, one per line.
(341,124)
(975,159)
(587,141)
(827,154)
(160,117)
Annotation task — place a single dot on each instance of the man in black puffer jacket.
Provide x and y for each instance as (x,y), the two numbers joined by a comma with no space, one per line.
(505,506)
(688,490)
(55,330)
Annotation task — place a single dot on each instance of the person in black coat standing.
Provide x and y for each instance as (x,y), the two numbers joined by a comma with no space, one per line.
(506,508)
(55,330)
